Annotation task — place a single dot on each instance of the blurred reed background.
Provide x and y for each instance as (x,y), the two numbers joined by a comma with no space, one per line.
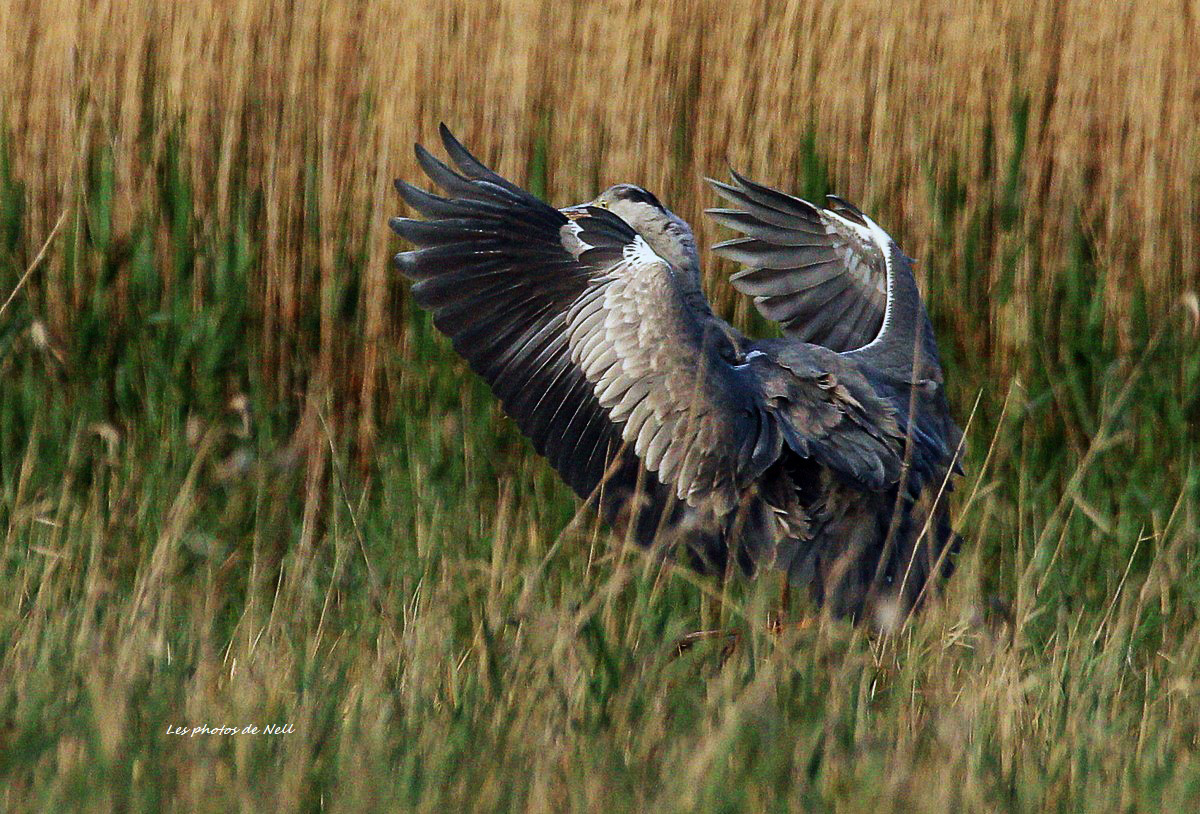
(242,477)
(990,142)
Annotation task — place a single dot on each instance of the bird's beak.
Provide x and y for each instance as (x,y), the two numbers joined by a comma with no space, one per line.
(575,212)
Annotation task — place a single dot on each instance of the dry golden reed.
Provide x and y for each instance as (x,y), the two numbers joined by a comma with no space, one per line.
(315,106)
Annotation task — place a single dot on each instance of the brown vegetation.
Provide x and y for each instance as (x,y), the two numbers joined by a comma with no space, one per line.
(316,104)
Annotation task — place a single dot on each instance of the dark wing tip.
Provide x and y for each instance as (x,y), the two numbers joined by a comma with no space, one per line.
(765,195)
(732,242)
(446,178)
(721,186)
(459,154)
(740,179)
(424,202)
(842,203)
(472,167)
(408,193)
(723,190)
(405,263)
(432,165)
(420,232)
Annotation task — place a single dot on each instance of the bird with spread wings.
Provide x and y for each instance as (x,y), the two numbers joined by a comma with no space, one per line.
(826,454)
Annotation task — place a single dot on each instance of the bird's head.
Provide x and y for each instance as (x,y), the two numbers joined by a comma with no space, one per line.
(667,234)
(630,199)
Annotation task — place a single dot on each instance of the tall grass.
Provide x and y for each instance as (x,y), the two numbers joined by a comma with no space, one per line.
(243,481)
(1027,122)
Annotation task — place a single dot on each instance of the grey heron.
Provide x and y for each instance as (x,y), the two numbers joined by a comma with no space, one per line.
(825,454)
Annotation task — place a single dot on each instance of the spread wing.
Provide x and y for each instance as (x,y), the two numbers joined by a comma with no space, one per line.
(820,273)
(579,329)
